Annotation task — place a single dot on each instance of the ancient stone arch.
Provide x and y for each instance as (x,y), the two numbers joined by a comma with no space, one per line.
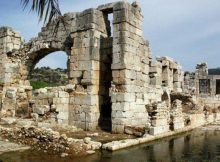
(166,98)
(111,73)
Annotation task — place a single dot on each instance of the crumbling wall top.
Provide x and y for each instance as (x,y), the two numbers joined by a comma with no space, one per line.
(10,40)
(168,61)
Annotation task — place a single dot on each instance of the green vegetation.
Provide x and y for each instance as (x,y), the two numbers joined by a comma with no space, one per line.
(47,77)
(47,10)
(41,84)
(214,71)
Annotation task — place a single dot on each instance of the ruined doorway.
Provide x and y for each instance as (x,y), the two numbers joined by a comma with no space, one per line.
(217,86)
(49,71)
(164,76)
(105,121)
(166,98)
(204,86)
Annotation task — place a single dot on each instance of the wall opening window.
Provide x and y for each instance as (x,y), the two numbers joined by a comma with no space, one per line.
(204,86)
(105,121)
(217,86)
(164,76)
(50,71)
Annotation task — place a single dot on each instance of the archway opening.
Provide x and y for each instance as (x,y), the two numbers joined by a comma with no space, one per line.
(166,98)
(49,71)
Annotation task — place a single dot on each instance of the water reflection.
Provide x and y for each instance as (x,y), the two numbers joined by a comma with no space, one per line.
(197,146)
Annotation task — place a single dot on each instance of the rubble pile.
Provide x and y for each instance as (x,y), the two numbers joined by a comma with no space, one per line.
(50,141)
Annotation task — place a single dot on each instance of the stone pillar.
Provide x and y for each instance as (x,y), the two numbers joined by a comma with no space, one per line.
(156,74)
(85,72)
(160,118)
(9,40)
(130,68)
(177,115)
(177,80)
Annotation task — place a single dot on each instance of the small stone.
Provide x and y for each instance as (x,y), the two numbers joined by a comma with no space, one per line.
(35,116)
(87,140)
(90,152)
(8,121)
(64,155)
(93,134)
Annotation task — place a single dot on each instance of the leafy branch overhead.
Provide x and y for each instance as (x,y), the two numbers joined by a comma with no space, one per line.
(47,10)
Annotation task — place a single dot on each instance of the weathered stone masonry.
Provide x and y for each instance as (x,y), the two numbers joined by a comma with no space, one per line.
(204,85)
(112,76)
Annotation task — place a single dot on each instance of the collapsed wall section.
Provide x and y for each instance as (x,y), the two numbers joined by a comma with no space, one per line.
(12,97)
(171,74)
(9,41)
(204,85)
(52,102)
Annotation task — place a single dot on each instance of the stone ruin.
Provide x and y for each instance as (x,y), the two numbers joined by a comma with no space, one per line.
(112,77)
(204,84)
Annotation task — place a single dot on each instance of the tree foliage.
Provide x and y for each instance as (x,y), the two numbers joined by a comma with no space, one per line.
(47,10)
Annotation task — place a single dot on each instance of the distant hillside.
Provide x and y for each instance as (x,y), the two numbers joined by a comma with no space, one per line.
(47,77)
(215,71)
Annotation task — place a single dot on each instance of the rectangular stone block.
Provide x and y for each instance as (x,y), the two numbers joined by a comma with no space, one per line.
(159,122)
(178,125)
(159,130)
(123,97)
(122,106)
(63,94)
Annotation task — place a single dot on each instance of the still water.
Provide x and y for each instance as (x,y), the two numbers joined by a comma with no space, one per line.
(200,145)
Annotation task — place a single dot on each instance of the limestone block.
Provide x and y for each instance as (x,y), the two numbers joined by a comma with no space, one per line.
(121,106)
(91,117)
(63,115)
(115,73)
(61,100)
(121,121)
(122,114)
(63,94)
(40,110)
(70,88)
(137,131)
(140,115)
(159,130)
(88,65)
(177,78)
(178,119)
(90,81)
(91,75)
(62,107)
(11,94)
(7,121)
(87,99)
(178,125)
(123,97)
(75,74)
(131,74)
(117,128)
(159,122)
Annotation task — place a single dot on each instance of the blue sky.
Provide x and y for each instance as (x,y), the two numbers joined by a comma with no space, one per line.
(188,31)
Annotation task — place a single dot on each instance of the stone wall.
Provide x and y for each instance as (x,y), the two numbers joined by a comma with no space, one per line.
(203,85)
(130,68)
(171,74)
(53,102)
(9,40)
